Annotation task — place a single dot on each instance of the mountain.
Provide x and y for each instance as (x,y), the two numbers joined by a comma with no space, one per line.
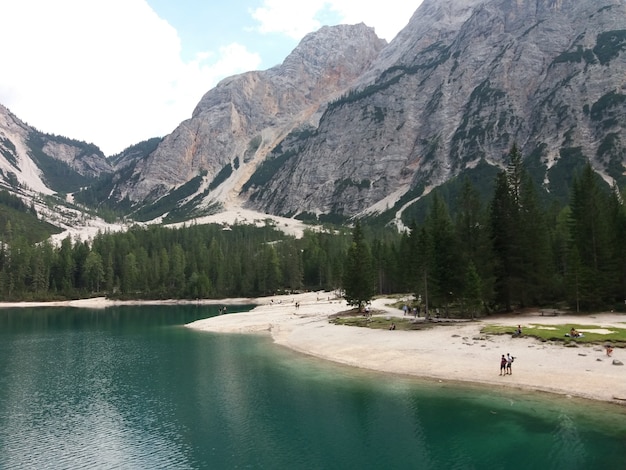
(349,125)
(45,163)
(40,169)
(462,83)
(237,123)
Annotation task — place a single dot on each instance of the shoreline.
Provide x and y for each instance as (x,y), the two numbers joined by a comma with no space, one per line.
(104,302)
(446,352)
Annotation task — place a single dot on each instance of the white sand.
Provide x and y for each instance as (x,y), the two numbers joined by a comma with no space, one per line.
(456,352)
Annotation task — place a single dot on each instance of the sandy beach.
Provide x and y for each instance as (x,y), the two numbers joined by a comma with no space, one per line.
(457,352)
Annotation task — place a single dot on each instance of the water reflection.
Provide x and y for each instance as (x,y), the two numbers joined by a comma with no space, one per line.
(129,387)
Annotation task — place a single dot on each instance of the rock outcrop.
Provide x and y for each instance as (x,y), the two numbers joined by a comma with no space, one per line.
(459,85)
(45,163)
(243,117)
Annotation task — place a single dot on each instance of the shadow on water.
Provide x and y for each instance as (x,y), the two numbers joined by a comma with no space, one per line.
(128,387)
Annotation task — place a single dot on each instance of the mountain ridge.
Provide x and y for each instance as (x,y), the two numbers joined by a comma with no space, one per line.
(349,125)
(236,122)
(508,74)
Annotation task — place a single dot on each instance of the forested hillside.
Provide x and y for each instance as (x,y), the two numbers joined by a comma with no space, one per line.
(511,252)
(20,220)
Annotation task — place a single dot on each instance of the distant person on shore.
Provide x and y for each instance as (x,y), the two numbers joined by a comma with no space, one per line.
(509,363)
(503,365)
(518,331)
(392,326)
(609,350)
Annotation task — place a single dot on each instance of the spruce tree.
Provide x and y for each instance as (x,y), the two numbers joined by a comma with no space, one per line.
(503,237)
(473,290)
(359,278)
(519,238)
(446,273)
(591,239)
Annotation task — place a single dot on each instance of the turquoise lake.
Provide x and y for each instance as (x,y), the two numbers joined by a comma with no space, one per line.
(131,388)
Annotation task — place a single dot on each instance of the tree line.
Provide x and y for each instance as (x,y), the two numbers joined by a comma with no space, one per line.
(508,253)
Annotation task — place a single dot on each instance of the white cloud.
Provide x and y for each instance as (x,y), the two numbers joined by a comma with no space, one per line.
(104,71)
(295,19)
(387,17)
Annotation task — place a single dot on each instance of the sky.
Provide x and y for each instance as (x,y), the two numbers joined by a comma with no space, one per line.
(117,72)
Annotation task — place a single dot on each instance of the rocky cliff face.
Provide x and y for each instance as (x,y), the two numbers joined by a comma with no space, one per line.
(458,86)
(15,164)
(243,117)
(45,163)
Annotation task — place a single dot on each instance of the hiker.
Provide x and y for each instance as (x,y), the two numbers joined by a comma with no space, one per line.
(509,363)
(503,365)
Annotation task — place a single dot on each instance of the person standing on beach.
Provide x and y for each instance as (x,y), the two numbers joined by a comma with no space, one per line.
(503,363)
(509,363)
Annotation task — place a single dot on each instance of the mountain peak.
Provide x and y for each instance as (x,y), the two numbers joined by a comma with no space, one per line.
(236,123)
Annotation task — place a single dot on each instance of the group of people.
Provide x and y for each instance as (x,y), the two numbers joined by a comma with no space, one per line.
(574,334)
(415,310)
(506,364)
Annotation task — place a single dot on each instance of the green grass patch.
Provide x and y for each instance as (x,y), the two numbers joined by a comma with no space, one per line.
(617,336)
(380,322)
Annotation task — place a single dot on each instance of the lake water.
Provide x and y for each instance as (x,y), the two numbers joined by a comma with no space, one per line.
(129,387)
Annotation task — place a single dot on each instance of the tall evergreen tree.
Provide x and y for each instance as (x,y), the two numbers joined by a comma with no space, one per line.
(446,274)
(504,240)
(473,290)
(519,237)
(93,272)
(473,234)
(591,239)
(359,278)
(424,262)
(536,269)
(617,230)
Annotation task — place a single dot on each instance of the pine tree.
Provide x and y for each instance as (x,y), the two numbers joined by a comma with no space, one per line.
(591,239)
(503,235)
(536,270)
(519,237)
(473,290)
(93,272)
(359,279)
(473,234)
(424,261)
(446,273)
